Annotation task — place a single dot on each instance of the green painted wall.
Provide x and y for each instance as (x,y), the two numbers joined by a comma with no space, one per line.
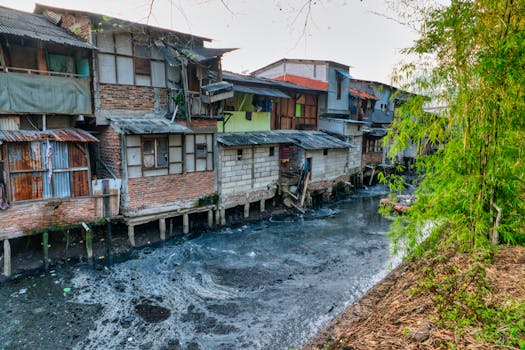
(237,122)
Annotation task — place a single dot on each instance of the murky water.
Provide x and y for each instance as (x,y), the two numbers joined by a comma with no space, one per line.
(269,285)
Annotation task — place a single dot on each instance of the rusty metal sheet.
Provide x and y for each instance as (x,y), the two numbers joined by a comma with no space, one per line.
(59,135)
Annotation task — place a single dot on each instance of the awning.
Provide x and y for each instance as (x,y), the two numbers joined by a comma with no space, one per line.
(144,126)
(59,135)
(216,92)
(260,91)
(343,73)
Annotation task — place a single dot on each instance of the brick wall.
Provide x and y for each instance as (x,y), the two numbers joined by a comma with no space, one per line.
(130,97)
(168,190)
(110,150)
(77,24)
(23,217)
(372,158)
(201,123)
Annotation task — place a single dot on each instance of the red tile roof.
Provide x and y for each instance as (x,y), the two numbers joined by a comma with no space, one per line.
(302,81)
(362,94)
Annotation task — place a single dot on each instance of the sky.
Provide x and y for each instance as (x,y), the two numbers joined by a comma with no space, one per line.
(357,33)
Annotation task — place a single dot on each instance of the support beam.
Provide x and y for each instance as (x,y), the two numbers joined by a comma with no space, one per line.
(171,226)
(246,210)
(109,241)
(262,205)
(89,243)
(210,218)
(217,217)
(223,216)
(162,229)
(45,246)
(7,258)
(131,235)
(185,223)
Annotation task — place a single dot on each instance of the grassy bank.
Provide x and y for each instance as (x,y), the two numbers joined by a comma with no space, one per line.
(438,301)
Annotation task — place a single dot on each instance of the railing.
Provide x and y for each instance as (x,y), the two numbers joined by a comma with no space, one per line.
(45,72)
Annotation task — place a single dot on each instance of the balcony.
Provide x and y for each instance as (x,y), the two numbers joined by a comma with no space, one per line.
(43,92)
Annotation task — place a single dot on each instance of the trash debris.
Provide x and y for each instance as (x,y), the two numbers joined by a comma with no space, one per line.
(67,290)
(22,291)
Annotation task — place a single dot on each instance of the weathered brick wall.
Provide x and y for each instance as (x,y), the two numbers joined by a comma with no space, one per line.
(204,123)
(77,24)
(372,158)
(110,150)
(23,217)
(168,190)
(133,98)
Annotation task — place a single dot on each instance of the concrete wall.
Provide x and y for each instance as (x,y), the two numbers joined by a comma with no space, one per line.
(351,133)
(260,121)
(23,217)
(334,105)
(317,71)
(250,178)
(330,166)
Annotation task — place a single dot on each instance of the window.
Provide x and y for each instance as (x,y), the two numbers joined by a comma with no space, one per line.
(239,154)
(202,151)
(141,60)
(339,87)
(155,152)
(29,165)
(272,151)
(325,152)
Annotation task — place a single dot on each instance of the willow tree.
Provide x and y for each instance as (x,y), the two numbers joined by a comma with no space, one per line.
(470,62)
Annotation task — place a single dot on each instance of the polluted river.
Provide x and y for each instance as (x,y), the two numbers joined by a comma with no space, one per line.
(266,285)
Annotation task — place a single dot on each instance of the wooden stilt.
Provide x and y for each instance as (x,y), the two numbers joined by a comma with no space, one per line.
(223,216)
(7,258)
(162,229)
(89,243)
(185,223)
(210,218)
(217,217)
(131,235)
(263,205)
(109,241)
(246,210)
(171,226)
(45,246)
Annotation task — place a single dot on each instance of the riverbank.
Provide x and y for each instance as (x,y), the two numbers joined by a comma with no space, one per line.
(392,315)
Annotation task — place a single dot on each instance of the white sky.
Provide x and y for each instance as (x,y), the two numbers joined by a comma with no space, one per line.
(345,31)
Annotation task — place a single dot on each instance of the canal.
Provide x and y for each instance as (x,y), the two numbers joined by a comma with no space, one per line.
(266,285)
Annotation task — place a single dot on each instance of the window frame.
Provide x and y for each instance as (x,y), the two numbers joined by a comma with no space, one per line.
(155,139)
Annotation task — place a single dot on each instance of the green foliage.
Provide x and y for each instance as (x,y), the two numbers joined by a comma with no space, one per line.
(212,199)
(470,59)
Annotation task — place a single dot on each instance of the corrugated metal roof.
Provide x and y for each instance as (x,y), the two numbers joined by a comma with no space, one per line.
(215,88)
(308,140)
(34,26)
(116,22)
(199,54)
(153,125)
(59,135)
(239,79)
(260,91)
